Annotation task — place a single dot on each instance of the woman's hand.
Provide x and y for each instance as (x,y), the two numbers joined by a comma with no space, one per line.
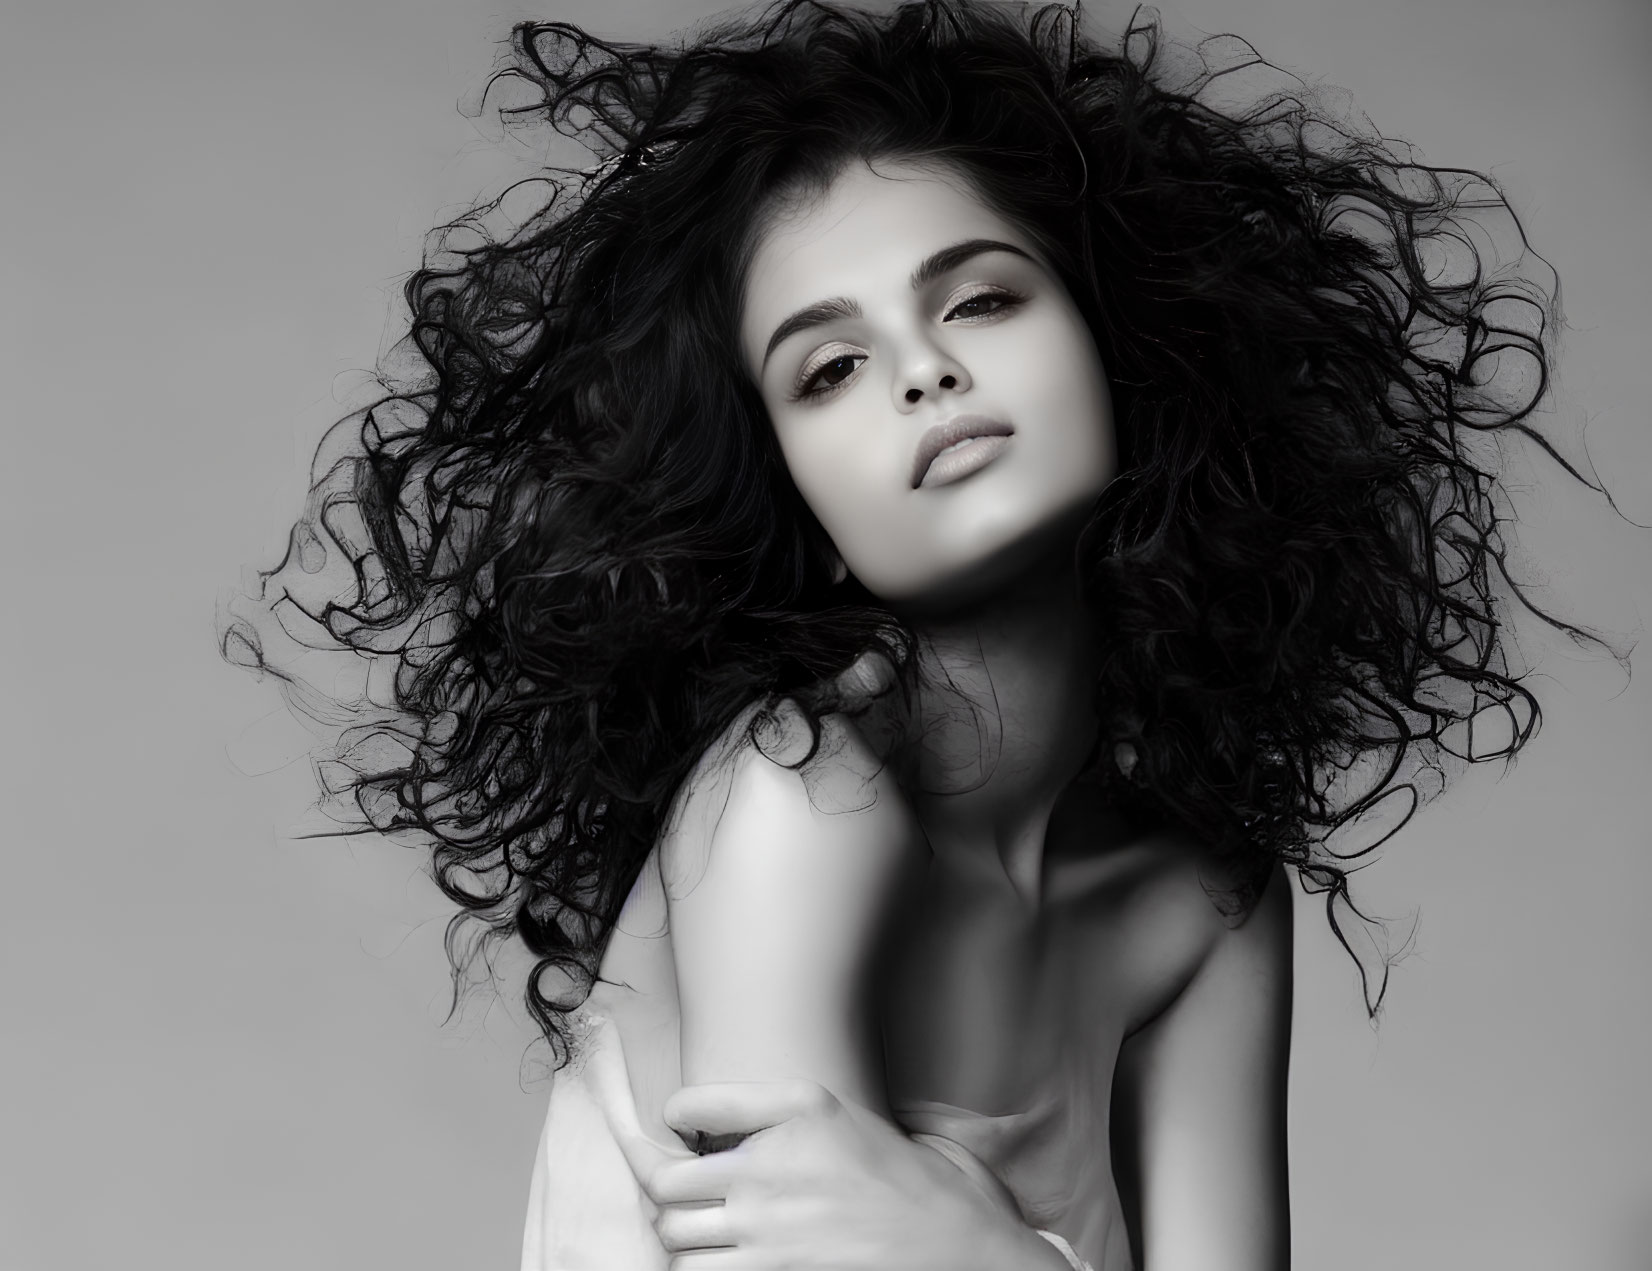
(821,1183)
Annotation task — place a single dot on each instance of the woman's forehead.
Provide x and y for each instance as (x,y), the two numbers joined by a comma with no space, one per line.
(873,220)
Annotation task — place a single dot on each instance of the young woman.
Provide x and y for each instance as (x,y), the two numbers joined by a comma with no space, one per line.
(882,576)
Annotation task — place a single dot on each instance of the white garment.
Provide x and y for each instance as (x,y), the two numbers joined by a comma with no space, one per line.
(585,1209)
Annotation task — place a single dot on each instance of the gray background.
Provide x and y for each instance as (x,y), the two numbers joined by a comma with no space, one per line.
(221,1046)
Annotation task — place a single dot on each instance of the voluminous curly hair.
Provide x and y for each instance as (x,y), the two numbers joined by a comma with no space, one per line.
(576,548)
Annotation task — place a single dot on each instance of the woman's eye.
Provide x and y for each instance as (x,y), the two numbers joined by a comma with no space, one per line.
(981,305)
(828,375)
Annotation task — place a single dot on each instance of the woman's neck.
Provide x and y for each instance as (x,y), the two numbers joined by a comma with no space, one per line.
(1003,722)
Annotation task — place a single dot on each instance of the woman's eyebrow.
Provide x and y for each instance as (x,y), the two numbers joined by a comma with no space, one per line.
(929,269)
(951,257)
(811,316)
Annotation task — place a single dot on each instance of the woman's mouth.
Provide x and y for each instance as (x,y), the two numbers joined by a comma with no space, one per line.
(952,451)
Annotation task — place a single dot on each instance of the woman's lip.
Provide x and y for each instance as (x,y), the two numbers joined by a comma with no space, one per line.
(927,466)
(963,459)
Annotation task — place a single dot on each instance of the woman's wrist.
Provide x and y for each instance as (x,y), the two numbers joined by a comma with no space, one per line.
(1002,1240)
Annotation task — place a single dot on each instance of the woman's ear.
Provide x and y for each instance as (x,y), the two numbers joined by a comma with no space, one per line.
(840,571)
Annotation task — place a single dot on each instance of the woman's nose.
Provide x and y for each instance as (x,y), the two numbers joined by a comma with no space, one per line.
(926,375)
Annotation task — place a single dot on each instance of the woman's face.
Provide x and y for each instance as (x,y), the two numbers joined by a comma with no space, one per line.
(937,395)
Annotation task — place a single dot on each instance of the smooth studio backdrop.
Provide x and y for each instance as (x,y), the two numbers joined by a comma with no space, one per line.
(222,1045)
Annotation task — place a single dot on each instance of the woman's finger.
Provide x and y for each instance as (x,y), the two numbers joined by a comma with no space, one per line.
(682,1227)
(745,1107)
(688,1181)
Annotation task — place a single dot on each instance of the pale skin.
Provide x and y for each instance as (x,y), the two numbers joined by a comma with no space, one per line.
(834,938)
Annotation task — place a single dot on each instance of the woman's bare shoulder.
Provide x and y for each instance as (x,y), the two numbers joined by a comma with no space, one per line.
(1159,905)
(771,773)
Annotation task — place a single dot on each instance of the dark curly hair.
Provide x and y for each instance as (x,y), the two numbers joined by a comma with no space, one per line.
(575,545)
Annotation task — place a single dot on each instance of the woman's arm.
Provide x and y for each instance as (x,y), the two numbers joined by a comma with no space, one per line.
(1201,1095)
(780,886)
